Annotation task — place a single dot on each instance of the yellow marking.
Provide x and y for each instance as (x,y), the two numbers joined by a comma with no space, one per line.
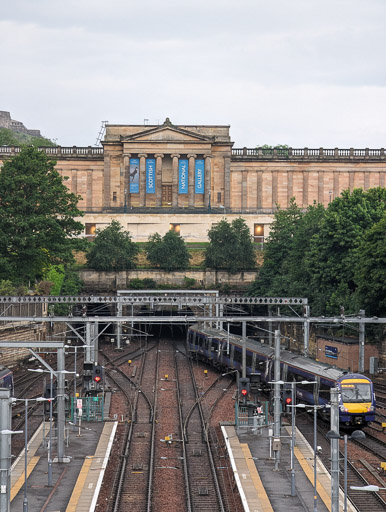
(310,475)
(383,466)
(350,381)
(76,493)
(261,494)
(383,425)
(357,407)
(20,481)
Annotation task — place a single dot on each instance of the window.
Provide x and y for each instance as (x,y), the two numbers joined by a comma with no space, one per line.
(90,229)
(114,196)
(258,233)
(219,197)
(175,227)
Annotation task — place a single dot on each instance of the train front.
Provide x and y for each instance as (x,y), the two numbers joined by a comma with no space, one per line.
(357,400)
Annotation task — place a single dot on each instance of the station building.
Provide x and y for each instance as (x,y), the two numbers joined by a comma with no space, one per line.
(187,178)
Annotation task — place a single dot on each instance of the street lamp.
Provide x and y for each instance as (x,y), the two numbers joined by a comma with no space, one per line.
(356,434)
(368,488)
(315,408)
(26,400)
(75,374)
(292,405)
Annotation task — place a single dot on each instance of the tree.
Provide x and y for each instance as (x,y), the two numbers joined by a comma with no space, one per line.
(332,258)
(230,246)
(37,215)
(273,278)
(169,252)
(112,249)
(370,274)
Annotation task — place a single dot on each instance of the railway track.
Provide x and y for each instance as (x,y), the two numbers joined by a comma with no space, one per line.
(203,486)
(134,481)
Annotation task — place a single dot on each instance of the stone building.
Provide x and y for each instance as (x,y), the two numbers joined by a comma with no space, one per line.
(16,126)
(186,178)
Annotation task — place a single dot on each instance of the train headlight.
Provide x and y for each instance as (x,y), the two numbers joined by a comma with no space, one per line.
(343,408)
(371,408)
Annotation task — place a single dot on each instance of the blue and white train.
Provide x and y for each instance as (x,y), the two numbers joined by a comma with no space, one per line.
(356,397)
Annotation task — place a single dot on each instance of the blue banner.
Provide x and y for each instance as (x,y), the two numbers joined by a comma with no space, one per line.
(331,352)
(134,175)
(199,182)
(150,176)
(183,166)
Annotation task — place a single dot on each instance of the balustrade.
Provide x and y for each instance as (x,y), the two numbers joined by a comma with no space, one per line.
(306,153)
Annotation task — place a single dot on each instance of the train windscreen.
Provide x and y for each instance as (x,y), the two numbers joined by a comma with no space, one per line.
(356,392)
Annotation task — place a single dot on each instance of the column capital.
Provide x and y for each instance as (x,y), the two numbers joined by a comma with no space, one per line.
(208,156)
(175,155)
(159,155)
(191,155)
(142,155)
(128,155)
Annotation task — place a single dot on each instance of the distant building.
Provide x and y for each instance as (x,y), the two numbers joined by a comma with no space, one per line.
(15,126)
(187,178)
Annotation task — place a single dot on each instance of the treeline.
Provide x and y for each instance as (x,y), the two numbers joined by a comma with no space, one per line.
(230,248)
(334,256)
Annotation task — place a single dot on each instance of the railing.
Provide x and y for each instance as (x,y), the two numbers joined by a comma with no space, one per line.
(174,210)
(58,151)
(307,154)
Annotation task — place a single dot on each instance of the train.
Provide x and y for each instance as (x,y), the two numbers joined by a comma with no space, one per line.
(6,378)
(356,393)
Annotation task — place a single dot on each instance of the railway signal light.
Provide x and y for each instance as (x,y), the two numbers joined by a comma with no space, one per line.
(244,385)
(287,398)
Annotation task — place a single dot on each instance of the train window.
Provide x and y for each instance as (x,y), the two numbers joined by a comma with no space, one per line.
(237,356)
(200,341)
(249,359)
(214,345)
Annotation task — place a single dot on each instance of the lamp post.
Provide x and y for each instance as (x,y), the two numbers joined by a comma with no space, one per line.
(293,406)
(356,434)
(26,400)
(315,408)
(52,373)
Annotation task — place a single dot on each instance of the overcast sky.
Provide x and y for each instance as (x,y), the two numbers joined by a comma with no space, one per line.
(297,72)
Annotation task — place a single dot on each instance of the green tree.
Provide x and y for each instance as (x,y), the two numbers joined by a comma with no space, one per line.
(273,278)
(230,247)
(169,252)
(112,249)
(332,257)
(370,274)
(37,215)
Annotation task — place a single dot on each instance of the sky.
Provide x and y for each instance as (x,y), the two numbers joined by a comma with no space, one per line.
(306,73)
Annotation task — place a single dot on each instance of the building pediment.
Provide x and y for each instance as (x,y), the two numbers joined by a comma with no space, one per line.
(166,133)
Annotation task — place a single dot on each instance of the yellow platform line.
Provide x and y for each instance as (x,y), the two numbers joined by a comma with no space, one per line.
(76,493)
(260,491)
(310,475)
(20,481)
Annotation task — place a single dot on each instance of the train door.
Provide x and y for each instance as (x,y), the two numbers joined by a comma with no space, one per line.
(316,390)
(284,372)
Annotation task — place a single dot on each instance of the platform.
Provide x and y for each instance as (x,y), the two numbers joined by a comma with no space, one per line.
(76,484)
(262,489)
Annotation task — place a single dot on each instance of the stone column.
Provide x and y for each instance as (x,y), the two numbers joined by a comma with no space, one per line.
(142,178)
(158,178)
(227,182)
(106,182)
(175,157)
(192,159)
(126,181)
(208,182)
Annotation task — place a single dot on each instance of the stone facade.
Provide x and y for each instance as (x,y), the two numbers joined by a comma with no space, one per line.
(246,182)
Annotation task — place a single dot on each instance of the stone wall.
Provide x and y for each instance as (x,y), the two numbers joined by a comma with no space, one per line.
(102,281)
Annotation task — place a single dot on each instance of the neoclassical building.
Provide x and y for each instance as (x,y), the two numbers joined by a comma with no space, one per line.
(155,178)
